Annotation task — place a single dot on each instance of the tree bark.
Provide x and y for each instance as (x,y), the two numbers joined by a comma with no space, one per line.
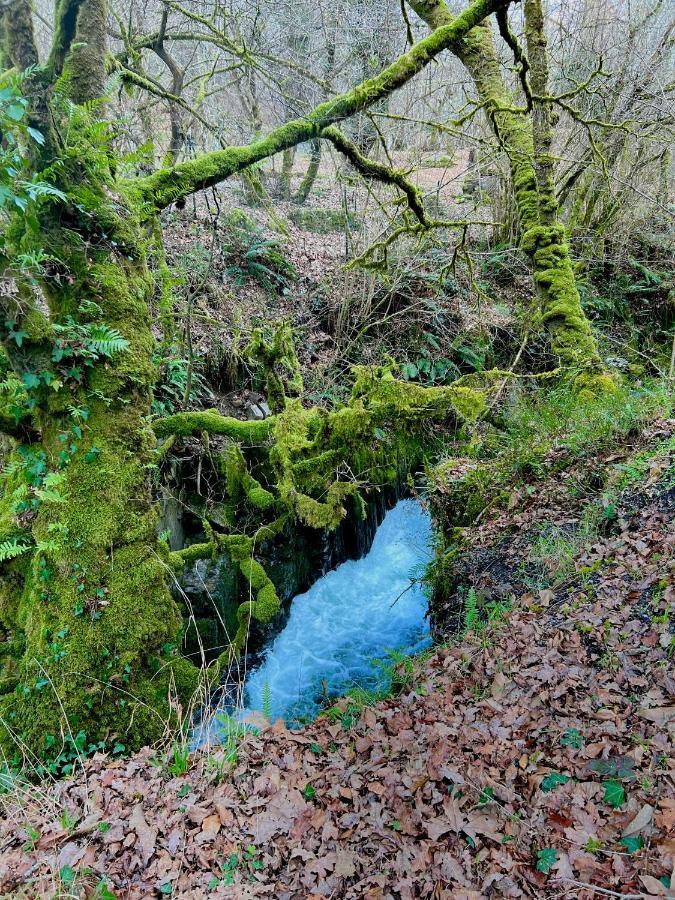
(307,183)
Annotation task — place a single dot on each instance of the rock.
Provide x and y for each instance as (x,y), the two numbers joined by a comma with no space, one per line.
(253,411)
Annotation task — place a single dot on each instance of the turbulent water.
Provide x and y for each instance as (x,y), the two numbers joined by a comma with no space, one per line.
(348,619)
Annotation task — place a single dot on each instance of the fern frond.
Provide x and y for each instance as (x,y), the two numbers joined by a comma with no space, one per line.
(267,701)
(471,614)
(105,341)
(12,548)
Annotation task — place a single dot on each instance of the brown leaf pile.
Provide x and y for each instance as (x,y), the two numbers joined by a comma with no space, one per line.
(444,791)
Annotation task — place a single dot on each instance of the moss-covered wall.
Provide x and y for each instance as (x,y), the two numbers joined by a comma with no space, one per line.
(312,470)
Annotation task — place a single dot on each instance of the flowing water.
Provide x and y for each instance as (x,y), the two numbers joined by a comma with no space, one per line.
(346,621)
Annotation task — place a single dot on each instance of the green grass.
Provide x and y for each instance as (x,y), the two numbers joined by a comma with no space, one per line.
(557,418)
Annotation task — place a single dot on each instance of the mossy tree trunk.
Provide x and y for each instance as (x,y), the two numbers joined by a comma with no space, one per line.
(88,625)
(307,183)
(88,622)
(526,135)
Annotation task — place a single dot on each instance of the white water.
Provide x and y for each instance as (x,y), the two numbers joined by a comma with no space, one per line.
(346,620)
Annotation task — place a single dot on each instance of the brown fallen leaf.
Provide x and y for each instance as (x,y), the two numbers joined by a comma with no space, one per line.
(655,887)
(659,715)
(345,863)
(211,826)
(641,821)
(498,687)
(147,835)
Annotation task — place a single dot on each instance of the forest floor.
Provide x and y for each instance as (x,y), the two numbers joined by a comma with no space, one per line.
(532,756)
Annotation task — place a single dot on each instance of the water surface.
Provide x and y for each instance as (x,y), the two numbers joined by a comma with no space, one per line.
(348,619)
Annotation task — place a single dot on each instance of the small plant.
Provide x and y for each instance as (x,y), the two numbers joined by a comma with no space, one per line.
(572,738)
(487,795)
(593,845)
(481,616)
(553,780)
(247,862)
(230,732)
(614,795)
(32,837)
(179,764)
(251,255)
(633,843)
(68,821)
(471,614)
(546,859)
(170,391)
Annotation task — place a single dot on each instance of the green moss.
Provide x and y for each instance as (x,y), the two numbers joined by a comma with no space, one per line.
(211,421)
(590,385)
(241,483)
(91,604)
(280,364)
(571,337)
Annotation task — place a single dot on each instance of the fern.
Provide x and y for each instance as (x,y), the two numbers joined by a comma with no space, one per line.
(471,613)
(104,341)
(12,548)
(267,701)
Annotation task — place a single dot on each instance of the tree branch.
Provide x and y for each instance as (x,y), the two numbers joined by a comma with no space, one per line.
(519,57)
(65,24)
(185,424)
(168,185)
(373,169)
(17,40)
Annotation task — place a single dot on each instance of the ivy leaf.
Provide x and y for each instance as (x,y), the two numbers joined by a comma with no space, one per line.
(30,380)
(614,795)
(572,738)
(19,336)
(67,875)
(553,780)
(15,112)
(487,795)
(104,891)
(633,842)
(546,859)
(615,767)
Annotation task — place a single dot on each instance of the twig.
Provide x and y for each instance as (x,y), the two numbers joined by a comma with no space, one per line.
(604,891)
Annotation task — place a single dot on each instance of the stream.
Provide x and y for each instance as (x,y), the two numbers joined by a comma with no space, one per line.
(346,621)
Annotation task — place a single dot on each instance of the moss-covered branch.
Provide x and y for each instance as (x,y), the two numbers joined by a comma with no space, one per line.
(168,185)
(519,57)
(17,42)
(211,421)
(65,23)
(373,169)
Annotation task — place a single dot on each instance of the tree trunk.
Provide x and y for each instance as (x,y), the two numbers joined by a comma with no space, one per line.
(307,183)
(91,627)
(287,160)
(526,142)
